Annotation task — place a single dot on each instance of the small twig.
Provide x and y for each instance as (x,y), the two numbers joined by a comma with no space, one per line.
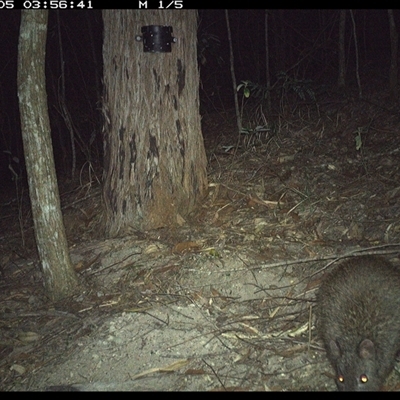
(214,372)
(114,264)
(353,253)
(309,328)
(364,251)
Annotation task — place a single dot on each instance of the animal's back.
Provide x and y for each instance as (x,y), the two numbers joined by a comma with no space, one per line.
(358,319)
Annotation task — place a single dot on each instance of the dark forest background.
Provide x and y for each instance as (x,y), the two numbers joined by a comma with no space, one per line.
(303,56)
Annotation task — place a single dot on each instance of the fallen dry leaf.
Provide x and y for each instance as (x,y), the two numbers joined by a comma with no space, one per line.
(186,247)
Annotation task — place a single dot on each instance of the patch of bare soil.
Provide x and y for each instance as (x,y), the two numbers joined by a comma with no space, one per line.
(224,302)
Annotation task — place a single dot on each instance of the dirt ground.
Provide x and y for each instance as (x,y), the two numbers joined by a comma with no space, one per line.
(225,301)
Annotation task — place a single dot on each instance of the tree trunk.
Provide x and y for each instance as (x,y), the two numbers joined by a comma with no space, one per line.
(267,58)
(59,276)
(394,44)
(155,164)
(233,76)
(342,64)
(356,53)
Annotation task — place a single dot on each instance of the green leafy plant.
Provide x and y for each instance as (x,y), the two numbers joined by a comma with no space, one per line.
(252,88)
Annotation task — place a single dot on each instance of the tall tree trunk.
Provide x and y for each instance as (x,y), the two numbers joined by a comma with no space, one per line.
(394,46)
(59,276)
(155,164)
(356,54)
(267,70)
(342,64)
(233,76)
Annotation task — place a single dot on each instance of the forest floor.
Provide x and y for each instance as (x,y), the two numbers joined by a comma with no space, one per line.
(225,301)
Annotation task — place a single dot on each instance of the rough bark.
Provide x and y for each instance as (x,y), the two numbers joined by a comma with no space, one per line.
(59,276)
(155,164)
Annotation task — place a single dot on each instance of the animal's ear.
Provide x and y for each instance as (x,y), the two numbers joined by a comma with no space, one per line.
(335,348)
(366,349)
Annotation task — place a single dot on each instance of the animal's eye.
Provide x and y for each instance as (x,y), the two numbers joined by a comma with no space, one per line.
(363,378)
(340,378)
